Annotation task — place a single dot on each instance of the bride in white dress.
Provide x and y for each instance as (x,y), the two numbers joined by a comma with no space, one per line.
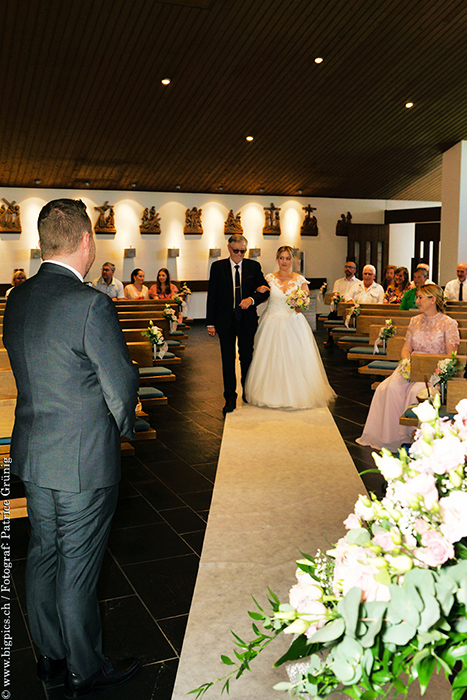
(286,370)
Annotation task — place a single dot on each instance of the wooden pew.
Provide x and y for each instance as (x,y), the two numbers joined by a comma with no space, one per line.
(141,353)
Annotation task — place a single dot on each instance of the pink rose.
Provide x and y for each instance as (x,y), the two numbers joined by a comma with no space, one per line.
(423,485)
(421,526)
(352,522)
(355,568)
(454,515)
(436,549)
(384,540)
(305,600)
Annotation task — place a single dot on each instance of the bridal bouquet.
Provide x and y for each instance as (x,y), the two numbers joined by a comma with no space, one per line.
(389,600)
(404,369)
(298,299)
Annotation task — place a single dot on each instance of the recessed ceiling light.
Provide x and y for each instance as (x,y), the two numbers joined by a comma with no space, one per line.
(260,189)
(86,183)
(177,187)
(133,184)
(249,138)
(409,105)
(165,81)
(220,188)
(37,181)
(299,191)
(318,59)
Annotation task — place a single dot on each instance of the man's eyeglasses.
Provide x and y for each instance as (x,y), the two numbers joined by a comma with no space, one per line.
(238,251)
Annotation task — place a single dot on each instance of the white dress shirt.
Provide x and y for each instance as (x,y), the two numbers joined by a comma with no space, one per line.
(344,286)
(452,290)
(68,267)
(374,294)
(114,290)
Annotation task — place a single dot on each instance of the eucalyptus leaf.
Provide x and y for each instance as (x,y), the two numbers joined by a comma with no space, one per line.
(444,596)
(349,608)
(330,632)
(461,625)
(400,634)
(358,535)
(423,579)
(431,613)
(374,613)
(283,685)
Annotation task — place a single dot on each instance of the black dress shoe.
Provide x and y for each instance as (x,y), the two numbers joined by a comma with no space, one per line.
(229,407)
(109,676)
(48,668)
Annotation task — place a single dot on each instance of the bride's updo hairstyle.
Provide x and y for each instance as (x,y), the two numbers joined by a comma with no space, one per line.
(285,249)
(432,290)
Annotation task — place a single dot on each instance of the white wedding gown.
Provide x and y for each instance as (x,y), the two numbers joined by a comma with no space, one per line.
(286,370)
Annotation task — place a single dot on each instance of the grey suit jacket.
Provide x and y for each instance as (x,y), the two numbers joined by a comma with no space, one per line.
(76,383)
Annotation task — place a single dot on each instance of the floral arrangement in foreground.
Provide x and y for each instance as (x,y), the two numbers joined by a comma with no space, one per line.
(446,369)
(298,299)
(156,338)
(169,313)
(389,600)
(352,312)
(385,332)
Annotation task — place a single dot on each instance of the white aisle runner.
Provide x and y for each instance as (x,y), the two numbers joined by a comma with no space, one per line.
(285,481)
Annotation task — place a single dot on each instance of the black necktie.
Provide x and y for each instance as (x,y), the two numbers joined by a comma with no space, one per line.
(238,294)
(460,291)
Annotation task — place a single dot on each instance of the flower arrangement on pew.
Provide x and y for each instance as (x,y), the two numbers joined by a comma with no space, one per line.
(446,369)
(298,299)
(323,289)
(171,315)
(389,600)
(155,336)
(185,290)
(352,313)
(336,300)
(386,331)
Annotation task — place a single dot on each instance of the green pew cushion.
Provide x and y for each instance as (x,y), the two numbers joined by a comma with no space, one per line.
(173,343)
(353,338)
(176,333)
(169,356)
(150,392)
(154,371)
(334,322)
(5,441)
(141,424)
(365,350)
(382,364)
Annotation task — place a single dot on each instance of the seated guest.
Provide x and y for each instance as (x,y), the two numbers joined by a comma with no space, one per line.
(388,276)
(430,332)
(18,278)
(164,288)
(342,286)
(367,291)
(109,284)
(455,290)
(137,290)
(398,288)
(408,300)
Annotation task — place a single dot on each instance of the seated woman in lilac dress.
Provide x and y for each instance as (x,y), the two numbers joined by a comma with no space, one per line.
(430,332)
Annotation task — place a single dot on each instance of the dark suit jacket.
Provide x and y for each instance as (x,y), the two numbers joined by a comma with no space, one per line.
(76,383)
(220,303)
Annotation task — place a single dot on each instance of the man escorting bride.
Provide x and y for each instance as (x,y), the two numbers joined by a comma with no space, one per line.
(286,371)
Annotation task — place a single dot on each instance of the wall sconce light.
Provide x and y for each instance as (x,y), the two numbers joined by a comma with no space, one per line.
(214,252)
(129,252)
(35,253)
(254,252)
(173,252)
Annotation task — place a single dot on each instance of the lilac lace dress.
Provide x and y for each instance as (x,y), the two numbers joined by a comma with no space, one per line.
(395,394)
(286,370)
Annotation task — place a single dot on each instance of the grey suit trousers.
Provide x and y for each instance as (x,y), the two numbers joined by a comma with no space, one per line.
(66,549)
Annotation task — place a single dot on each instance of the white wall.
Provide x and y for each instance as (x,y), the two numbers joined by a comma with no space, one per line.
(401,244)
(324,254)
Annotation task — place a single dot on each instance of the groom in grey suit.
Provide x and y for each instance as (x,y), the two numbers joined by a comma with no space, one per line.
(77,391)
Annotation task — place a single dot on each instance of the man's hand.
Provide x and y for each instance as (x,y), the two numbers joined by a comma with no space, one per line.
(246,303)
(211,331)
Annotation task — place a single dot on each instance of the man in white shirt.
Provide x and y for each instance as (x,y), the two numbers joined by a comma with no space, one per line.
(109,284)
(345,284)
(367,291)
(455,289)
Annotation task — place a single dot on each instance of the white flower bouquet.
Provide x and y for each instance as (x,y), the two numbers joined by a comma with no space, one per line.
(185,290)
(155,336)
(352,312)
(389,600)
(298,299)
(169,313)
(446,369)
(385,332)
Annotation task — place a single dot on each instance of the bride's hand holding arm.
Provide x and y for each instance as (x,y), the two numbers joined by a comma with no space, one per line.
(263,288)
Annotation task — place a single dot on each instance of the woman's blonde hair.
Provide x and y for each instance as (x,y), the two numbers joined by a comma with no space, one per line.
(432,290)
(283,249)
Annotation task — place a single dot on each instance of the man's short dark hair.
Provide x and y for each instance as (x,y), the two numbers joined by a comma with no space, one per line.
(61,224)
